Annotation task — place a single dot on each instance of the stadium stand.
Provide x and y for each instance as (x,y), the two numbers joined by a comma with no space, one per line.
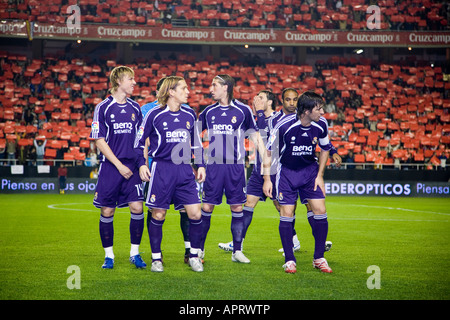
(383,114)
(290,14)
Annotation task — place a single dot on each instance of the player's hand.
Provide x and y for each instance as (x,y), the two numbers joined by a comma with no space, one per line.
(267,188)
(201,174)
(258,104)
(319,183)
(124,171)
(337,159)
(144,173)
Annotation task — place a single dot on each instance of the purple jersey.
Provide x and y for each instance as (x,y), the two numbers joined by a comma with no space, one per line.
(296,143)
(172,135)
(118,125)
(227,127)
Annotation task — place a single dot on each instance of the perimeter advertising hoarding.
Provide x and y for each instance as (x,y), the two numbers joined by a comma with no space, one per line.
(142,33)
(343,188)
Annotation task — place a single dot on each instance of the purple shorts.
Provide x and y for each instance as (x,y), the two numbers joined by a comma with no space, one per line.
(113,190)
(292,184)
(171,183)
(224,178)
(255,186)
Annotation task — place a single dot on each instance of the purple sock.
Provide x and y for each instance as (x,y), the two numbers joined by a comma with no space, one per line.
(106,231)
(285,229)
(155,234)
(136,227)
(206,224)
(320,234)
(293,227)
(237,229)
(195,234)
(310,216)
(248,216)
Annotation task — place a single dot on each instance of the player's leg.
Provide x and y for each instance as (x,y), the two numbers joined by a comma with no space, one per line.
(310,217)
(236,197)
(247,211)
(287,196)
(154,225)
(207,210)
(295,240)
(285,230)
(320,233)
(184,226)
(136,230)
(106,227)
(194,214)
(132,196)
(106,196)
(212,196)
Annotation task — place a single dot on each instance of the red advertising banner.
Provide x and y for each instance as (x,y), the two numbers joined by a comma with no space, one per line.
(233,36)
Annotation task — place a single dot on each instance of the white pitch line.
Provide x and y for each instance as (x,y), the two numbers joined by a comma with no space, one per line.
(56,207)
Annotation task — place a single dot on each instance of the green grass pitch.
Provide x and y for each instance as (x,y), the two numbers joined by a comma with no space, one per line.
(405,239)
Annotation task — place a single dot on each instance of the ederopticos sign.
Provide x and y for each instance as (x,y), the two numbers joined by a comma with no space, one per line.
(404,189)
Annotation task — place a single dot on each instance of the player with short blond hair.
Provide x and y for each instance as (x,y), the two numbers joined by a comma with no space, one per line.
(115,124)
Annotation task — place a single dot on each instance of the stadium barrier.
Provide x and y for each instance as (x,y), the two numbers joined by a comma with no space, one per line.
(348,182)
(336,188)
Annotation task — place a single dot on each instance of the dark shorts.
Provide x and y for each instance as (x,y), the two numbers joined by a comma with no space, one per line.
(224,178)
(113,190)
(171,184)
(255,186)
(292,184)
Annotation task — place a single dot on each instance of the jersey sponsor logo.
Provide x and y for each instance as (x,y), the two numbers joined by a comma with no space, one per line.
(176,136)
(302,150)
(222,129)
(122,127)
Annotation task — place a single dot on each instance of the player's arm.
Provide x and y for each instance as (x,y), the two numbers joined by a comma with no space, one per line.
(334,154)
(258,109)
(141,146)
(147,145)
(109,154)
(197,152)
(266,164)
(323,159)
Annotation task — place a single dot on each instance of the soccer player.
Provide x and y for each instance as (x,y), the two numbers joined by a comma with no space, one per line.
(114,127)
(300,175)
(227,122)
(264,104)
(171,131)
(184,220)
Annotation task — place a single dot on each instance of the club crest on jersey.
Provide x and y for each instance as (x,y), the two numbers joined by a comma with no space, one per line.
(133,117)
(188,125)
(280,196)
(233,120)
(153,198)
(314,141)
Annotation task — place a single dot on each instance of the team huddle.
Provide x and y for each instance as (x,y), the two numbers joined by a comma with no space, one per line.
(154,155)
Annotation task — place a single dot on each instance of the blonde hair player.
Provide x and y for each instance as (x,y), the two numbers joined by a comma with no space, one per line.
(114,127)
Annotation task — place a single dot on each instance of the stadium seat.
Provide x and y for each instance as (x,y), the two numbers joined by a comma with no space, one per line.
(359,158)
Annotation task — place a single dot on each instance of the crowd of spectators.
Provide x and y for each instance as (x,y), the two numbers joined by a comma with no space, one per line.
(382,113)
(291,14)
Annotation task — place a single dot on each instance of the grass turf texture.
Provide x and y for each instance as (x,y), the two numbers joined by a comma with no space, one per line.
(407,238)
